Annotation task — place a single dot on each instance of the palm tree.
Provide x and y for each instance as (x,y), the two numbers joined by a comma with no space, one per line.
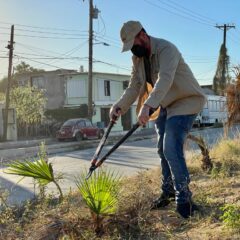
(100,193)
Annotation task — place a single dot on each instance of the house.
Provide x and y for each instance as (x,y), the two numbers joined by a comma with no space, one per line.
(69,89)
(107,89)
(50,81)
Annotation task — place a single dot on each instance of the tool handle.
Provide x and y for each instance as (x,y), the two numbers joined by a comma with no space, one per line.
(115,117)
(104,138)
(122,140)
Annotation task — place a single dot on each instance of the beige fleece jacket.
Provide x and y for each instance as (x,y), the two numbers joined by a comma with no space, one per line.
(175,87)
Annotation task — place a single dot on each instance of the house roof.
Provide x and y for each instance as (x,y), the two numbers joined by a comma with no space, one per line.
(95,73)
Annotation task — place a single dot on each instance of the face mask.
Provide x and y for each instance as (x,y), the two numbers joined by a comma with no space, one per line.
(139,51)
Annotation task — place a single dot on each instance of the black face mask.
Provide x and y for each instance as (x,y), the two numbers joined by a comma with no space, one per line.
(139,51)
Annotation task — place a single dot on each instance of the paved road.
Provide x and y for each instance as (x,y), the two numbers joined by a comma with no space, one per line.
(129,159)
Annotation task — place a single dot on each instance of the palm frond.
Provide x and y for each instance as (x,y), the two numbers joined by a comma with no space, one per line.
(40,170)
(100,192)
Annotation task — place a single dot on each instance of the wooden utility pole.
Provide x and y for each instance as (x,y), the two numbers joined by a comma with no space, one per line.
(90,59)
(225,27)
(10,47)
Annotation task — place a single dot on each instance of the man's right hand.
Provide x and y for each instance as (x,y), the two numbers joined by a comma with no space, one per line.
(114,113)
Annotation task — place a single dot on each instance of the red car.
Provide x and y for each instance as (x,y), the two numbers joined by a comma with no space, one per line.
(79,129)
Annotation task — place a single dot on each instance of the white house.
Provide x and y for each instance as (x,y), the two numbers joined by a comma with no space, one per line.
(107,89)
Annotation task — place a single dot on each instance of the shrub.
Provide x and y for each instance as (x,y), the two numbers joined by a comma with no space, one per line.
(231,216)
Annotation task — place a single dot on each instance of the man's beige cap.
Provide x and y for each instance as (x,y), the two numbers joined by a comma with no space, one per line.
(128,32)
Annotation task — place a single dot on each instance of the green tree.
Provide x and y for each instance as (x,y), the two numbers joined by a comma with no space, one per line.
(3,85)
(25,68)
(2,97)
(19,69)
(29,103)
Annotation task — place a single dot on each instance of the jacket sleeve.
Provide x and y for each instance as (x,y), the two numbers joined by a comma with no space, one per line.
(168,61)
(131,93)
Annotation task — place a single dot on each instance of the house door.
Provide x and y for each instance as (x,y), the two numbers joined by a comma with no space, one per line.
(127,120)
(105,116)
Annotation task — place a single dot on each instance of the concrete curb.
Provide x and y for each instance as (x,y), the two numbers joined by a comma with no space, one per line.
(6,155)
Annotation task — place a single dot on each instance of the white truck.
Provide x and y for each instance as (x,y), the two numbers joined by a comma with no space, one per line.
(214,111)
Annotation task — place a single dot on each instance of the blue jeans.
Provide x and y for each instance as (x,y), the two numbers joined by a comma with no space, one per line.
(172,134)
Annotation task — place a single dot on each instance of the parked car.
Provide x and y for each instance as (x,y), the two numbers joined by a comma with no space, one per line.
(79,129)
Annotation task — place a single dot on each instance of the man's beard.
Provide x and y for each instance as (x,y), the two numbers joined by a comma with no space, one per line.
(139,51)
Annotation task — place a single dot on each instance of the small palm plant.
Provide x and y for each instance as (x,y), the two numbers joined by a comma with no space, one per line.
(39,170)
(100,193)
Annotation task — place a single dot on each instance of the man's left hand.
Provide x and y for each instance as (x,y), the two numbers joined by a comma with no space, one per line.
(143,115)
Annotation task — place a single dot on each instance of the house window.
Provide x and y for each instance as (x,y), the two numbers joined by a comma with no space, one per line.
(107,87)
(125,85)
(38,82)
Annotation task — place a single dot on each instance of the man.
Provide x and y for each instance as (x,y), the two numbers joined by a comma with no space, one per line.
(161,79)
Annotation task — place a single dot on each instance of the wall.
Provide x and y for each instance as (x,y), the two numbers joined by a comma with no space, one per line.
(52,81)
(1,120)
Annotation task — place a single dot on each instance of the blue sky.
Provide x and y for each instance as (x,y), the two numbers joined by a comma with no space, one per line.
(59,29)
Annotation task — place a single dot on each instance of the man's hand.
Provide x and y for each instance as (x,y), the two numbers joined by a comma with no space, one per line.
(143,115)
(114,113)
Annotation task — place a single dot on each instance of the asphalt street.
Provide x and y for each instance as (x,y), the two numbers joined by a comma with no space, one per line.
(128,160)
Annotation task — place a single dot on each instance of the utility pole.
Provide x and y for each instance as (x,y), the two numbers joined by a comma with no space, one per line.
(93,14)
(90,59)
(225,27)
(10,47)
(223,81)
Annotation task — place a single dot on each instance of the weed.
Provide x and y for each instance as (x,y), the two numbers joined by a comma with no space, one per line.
(231,216)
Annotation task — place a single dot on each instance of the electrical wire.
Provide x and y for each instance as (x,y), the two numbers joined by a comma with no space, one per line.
(37,27)
(47,37)
(111,64)
(84,33)
(178,14)
(192,12)
(68,53)
(102,32)
(52,58)
(42,63)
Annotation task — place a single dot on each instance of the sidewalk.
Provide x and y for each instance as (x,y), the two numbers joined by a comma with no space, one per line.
(29,148)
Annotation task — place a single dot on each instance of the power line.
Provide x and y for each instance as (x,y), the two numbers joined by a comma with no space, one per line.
(177,14)
(52,58)
(47,37)
(54,33)
(38,27)
(195,13)
(186,12)
(112,65)
(43,63)
(83,33)
(37,49)
(68,53)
